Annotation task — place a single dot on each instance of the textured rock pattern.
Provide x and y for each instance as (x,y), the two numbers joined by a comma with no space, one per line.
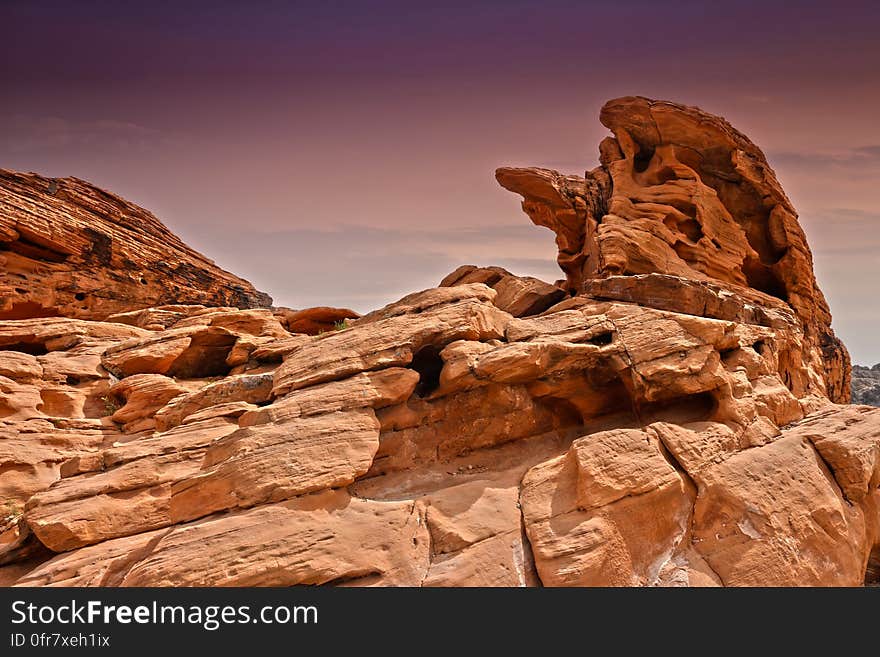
(70,249)
(681,192)
(865,385)
(638,425)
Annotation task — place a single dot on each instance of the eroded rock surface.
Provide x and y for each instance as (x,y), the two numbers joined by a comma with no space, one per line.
(68,248)
(681,192)
(664,417)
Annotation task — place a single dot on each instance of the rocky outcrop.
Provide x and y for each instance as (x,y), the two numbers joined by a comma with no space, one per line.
(667,427)
(70,249)
(681,192)
(521,296)
(866,385)
(599,443)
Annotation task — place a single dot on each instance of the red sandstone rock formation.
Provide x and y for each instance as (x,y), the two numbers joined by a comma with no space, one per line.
(681,192)
(661,421)
(70,249)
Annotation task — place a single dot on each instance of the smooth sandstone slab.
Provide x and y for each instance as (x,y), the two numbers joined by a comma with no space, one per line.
(619,463)
(501,560)
(19,366)
(367,389)
(318,539)
(130,493)
(267,463)
(848,441)
(251,388)
(626,542)
(521,296)
(774,516)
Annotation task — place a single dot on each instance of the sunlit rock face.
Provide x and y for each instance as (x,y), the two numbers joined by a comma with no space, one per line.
(664,416)
(681,192)
(70,249)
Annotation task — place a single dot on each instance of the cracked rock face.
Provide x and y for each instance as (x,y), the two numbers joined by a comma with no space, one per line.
(662,417)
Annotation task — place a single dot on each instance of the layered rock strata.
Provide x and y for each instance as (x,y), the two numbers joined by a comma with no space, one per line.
(70,249)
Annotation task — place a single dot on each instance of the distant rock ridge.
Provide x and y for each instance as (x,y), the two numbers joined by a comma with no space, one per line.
(665,416)
(866,385)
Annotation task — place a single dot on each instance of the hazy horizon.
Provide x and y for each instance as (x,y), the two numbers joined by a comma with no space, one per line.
(344,155)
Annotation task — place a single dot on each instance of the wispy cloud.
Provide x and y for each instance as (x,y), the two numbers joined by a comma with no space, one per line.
(52,133)
(859,157)
(843,231)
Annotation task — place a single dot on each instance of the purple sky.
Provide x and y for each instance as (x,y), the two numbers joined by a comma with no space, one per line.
(342,153)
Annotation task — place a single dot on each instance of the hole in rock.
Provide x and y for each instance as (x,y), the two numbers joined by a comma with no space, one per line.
(205,356)
(727,352)
(692,229)
(100,403)
(791,370)
(72,380)
(643,158)
(428,364)
(6,407)
(763,278)
(32,348)
(683,205)
(684,251)
(759,347)
(578,399)
(743,201)
(79,296)
(602,338)
(101,249)
(58,403)
(689,157)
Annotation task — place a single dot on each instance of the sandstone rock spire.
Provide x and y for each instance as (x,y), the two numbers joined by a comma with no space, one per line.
(680,192)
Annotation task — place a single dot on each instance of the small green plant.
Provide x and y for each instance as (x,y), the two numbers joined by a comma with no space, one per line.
(10,511)
(111,404)
(341,325)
